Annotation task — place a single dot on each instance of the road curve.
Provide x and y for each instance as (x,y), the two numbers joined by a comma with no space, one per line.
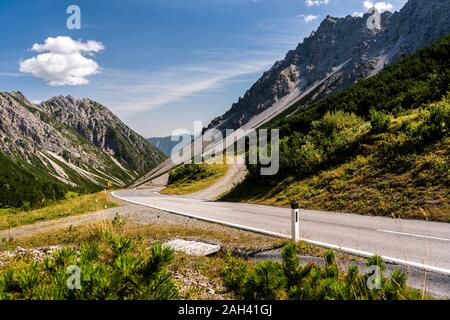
(421,244)
(234,175)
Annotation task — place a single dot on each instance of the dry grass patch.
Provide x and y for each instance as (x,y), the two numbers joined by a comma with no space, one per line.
(64,208)
(229,238)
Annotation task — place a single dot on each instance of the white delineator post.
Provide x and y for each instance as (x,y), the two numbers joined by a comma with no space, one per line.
(295,213)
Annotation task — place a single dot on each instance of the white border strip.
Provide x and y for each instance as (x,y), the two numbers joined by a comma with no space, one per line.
(356,252)
(413,235)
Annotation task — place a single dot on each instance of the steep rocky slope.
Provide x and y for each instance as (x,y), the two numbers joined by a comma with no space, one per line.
(65,144)
(379,147)
(106,131)
(342,51)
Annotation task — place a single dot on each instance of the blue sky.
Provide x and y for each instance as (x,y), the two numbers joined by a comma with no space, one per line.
(158,64)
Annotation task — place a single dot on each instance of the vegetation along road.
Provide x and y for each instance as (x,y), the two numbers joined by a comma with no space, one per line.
(420,244)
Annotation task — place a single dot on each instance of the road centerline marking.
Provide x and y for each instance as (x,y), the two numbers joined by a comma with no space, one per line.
(228,209)
(413,235)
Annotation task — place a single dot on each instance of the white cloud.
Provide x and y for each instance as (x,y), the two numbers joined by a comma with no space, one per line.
(380,6)
(62,61)
(309,17)
(357,14)
(138,92)
(311,3)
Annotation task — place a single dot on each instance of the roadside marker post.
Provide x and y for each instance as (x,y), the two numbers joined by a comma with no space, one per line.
(295,222)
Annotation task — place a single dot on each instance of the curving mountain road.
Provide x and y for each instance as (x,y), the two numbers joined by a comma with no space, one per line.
(419,244)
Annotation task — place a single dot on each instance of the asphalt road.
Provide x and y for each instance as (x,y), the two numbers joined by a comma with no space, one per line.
(421,244)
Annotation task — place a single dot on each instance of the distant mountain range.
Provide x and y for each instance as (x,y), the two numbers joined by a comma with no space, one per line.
(65,144)
(341,52)
(166,145)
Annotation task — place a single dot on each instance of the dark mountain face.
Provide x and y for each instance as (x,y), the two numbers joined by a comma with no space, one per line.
(341,52)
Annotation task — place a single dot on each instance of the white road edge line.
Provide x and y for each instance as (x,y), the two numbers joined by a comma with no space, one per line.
(356,252)
(413,235)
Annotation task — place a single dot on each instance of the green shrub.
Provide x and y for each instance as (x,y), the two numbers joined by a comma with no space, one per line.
(403,162)
(331,137)
(337,121)
(188,171)
(290,264)
(264,283)
(398,153)
(299,156)
(234,273)
(379,121)
(116,268)
(436,126)
(376,261)
(26,206)
(71,195)
(272,280)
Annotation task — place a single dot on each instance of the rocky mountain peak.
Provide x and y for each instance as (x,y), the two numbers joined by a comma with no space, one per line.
(339,53)
(329,20)
(101,127)
(20,96)
(76,142)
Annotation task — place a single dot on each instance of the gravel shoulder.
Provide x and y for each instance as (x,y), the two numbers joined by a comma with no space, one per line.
(131,213)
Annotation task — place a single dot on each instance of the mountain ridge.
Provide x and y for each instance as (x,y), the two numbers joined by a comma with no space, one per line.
(109,134)
(55,144)
(337,40)
(379,147)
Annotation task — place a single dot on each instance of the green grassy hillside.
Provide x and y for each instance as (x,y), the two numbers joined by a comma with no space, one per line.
(380,147)
(28,186)
(190,178)
(24,186)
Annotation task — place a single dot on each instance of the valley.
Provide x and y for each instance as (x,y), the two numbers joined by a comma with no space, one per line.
(354,121)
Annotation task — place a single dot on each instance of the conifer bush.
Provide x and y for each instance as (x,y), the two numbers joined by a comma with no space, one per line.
(117,268)
(437,124)
(290,280)
(379,121)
